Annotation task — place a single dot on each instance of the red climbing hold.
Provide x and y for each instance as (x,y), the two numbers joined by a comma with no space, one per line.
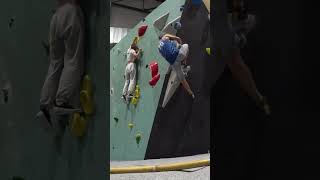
(153,68)
(142,30)
(154,80)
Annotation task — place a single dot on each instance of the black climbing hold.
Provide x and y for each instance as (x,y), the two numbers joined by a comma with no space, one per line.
(171,82)
(11,21)
(147,66)
(143,19)
(116,119)
(5,94)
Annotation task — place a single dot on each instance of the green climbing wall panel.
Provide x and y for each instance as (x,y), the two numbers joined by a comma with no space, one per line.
(123,139)
(27,150)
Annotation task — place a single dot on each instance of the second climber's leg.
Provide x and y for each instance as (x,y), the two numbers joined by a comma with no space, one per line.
(243,75)
(132,84)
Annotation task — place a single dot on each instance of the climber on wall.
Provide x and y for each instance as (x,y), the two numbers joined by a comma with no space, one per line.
(241,23)
(176,53)
(130,72)
(66,54)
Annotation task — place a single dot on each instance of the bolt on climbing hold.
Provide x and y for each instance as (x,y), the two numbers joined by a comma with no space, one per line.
(86,101)
(137,92)
(154,80)
(142,30)
(136,96)
(138,138)
(11,21)
(208,51)
(154,73)
(130,125)
(154,68)
(87,84)
(111,91)
(78,125)
(136,40)
(5,95)
(134,101)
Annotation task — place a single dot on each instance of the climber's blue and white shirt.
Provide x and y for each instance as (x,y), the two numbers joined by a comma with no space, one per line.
(168,49)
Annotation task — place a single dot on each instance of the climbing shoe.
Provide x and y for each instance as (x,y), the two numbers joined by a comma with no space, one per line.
(185,70)
(124,98)
(46,114)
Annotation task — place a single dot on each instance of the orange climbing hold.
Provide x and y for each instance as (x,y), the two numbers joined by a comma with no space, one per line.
(142,30)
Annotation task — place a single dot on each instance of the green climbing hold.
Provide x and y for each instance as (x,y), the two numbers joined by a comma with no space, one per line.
(138,138)
(208,51)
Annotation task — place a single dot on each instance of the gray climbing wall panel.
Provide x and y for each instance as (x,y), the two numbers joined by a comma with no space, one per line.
(27,150)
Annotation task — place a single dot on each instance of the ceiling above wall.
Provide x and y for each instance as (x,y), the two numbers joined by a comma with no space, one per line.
(128,13)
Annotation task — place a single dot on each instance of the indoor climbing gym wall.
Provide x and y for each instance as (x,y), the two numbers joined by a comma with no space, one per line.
(131,124)
(26,149)
(182,127)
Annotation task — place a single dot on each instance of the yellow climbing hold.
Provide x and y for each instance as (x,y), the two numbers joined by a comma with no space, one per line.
(208,51)
(130,125)
(136,96)
(134,100)
(87,84)
(78,125)
(136,40)
(137,92)
(86,102)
